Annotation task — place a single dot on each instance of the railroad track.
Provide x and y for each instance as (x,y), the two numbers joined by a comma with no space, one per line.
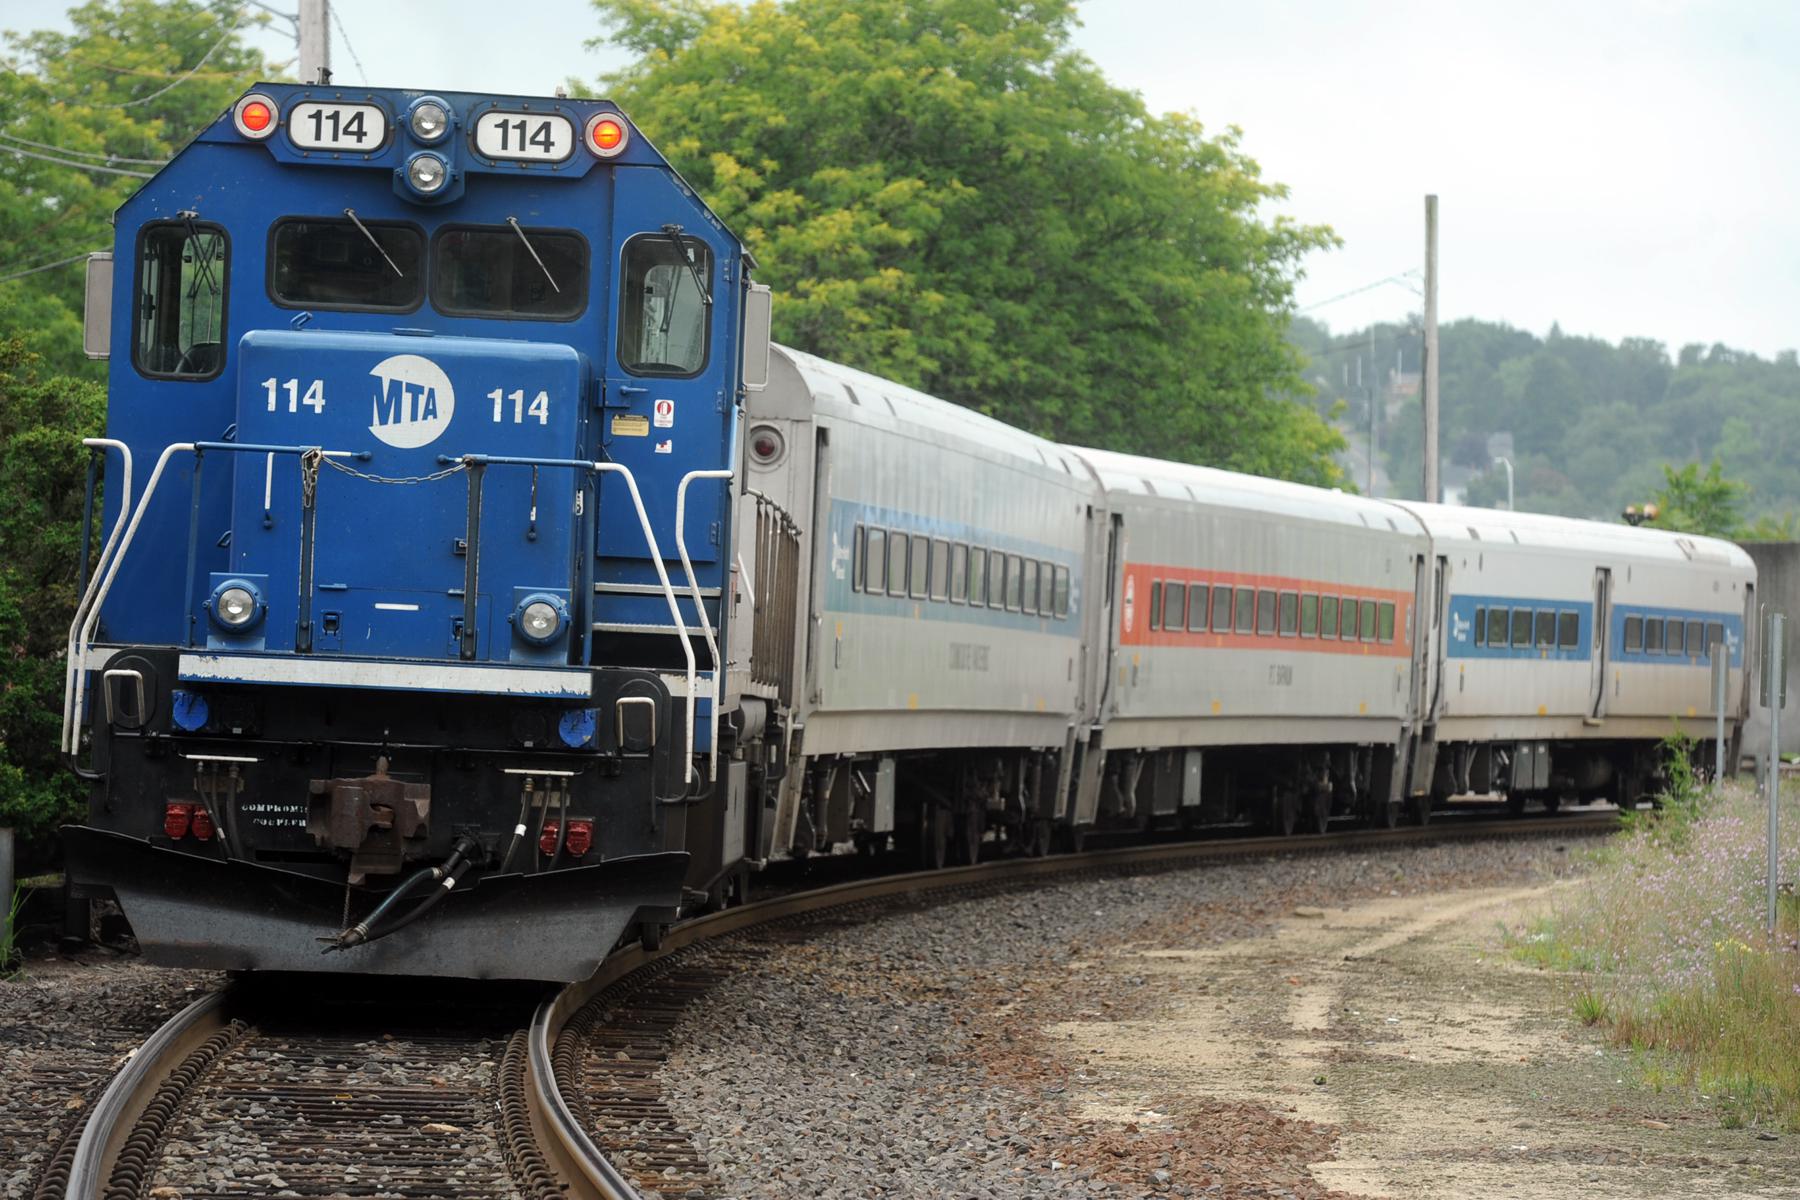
(248,1092)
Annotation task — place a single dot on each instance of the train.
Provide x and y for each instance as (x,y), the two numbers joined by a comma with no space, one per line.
(470,585)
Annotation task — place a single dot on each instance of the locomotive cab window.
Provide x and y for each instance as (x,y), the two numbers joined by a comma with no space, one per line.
(332,262)
(1634,634)
(665,308)
(179,321)
(513,273)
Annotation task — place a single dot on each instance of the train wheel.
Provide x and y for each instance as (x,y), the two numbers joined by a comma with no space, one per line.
(934,837)
(651,934)
(1318,811)
(1387,814)
(1287,812)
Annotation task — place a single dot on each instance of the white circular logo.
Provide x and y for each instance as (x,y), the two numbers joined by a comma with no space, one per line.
(413,401)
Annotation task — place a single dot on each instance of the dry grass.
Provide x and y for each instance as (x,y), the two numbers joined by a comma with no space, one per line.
(1667,951)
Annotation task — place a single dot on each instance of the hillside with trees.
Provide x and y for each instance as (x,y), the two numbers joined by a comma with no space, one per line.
(1591,423)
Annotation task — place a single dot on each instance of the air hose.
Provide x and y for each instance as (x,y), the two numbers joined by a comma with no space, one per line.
(446,876)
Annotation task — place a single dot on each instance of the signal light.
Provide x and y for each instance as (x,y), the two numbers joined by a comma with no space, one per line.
(581,838)
(203,823)
(255,116)
(547,839)
(176,818)
(607,135)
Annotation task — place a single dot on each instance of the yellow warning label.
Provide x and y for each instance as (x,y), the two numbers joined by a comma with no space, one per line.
(630,425)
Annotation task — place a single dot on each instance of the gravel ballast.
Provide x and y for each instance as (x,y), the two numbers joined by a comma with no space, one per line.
(905,1056)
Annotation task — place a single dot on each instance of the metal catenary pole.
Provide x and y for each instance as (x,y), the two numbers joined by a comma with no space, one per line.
(315,40)
(1428,371)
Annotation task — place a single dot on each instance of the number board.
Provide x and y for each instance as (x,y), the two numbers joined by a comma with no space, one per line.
(356,128)
(524,137)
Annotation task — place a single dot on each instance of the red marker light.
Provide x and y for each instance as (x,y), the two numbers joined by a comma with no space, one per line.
(547,839)
(175,820)
(255,116)
(581,838)
(607,135)
(203,825)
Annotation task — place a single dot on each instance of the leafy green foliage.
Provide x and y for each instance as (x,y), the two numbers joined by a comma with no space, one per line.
(1696,503)
(42,485)
(945,193)
(129,85)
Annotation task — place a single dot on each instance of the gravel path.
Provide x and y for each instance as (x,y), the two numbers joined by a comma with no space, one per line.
(66,1026)
(907,1056)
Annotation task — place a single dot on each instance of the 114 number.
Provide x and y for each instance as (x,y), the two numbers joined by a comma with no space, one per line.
(539,406)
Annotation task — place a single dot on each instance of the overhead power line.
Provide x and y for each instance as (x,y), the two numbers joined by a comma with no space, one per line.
(107,156)
(339,22)
(1404,279)
(79,166)
(49,266)
(236,20)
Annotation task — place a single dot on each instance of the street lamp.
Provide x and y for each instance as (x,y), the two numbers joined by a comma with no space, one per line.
(1507,463)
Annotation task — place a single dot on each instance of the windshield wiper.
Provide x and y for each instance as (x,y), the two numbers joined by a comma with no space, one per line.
(673,232)
(364,229)
(532,250)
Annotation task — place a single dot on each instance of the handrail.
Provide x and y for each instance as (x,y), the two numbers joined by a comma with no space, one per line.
(70,734)
(75,690)
(656,559)
(712,645)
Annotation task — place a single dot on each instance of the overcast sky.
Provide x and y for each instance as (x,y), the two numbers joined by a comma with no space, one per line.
(1624,167)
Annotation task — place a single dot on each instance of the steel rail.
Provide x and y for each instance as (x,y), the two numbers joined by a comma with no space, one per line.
(583,1165)
(116,1114)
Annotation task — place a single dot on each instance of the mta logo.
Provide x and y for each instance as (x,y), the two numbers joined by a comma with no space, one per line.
(412,402)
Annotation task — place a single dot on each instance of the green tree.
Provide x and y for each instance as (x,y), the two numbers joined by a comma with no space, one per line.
(946,193)
(42,485)
(1696,503)
(86,116)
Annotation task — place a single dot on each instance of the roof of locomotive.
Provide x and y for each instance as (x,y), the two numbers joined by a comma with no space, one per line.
(1541,531)
(1133,475)
(834,383)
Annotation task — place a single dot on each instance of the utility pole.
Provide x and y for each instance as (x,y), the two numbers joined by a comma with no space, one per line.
(1374,443)
(1428,367)
(315,41)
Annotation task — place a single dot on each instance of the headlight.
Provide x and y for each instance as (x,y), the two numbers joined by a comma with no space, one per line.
(429,120)
(235,606)
(540,619)
(427,173)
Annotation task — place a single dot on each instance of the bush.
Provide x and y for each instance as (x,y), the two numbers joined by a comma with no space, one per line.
(1667,950)
(43,471)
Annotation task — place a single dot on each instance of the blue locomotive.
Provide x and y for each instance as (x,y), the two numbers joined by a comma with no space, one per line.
(407,602)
